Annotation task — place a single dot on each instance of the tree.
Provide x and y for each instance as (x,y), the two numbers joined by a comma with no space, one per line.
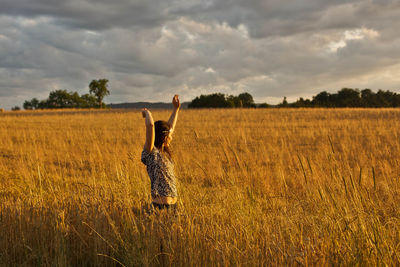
(348,97)
(27,105)
(263,105)
(246,100)
(33,104)
(89,101)
(99,89)
(16,108)
(218,100)
(301,103)
(62,99)
(234,101)
(322,99)
(43,104)
(367,98)
(284,103)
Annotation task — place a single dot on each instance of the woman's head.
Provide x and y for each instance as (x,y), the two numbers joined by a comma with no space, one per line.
(162,135)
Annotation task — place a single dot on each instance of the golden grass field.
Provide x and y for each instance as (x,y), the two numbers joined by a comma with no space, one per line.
(257,188)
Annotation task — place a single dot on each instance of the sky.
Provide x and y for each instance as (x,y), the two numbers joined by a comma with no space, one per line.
(151,50)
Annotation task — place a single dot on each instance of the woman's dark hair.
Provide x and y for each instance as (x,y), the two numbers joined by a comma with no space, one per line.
(161,129)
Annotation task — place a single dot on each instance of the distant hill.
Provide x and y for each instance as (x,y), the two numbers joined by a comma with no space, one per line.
(149,105)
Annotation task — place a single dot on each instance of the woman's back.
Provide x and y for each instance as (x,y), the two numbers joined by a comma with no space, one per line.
(160,169)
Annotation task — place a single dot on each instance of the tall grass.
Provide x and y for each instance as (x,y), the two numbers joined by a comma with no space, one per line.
(257,187)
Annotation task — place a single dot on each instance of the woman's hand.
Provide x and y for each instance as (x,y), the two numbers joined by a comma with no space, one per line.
(175,102)
(144,112)
(147,115)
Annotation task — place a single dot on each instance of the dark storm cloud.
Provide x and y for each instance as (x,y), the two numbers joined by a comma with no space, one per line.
(263,18)
(91,14)
(152,49)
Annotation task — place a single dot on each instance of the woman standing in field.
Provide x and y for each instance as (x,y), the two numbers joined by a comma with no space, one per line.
(157,157)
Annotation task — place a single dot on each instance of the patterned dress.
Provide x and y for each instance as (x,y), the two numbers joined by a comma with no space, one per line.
(161,172)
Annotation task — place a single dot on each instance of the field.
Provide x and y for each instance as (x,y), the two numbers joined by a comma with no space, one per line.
(257,188)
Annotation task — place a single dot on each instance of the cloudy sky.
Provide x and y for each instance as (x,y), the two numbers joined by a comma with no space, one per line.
(149,50)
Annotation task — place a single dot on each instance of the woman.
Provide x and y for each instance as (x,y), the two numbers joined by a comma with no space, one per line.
(157,157)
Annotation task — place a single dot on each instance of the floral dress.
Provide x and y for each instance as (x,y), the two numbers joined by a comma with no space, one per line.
(161,172)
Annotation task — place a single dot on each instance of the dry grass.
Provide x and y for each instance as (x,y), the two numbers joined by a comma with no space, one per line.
(257,187)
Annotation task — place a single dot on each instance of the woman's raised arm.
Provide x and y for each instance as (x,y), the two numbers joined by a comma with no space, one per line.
(174,116)
(149,144)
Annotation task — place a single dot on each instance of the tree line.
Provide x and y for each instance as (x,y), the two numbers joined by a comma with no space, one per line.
(98,89)
(218,100)
(349,97)
(346,97)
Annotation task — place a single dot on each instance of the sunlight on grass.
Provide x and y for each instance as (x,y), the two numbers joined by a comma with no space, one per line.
(257,188)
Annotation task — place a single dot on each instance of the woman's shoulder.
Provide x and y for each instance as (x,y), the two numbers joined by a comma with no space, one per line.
(149,156)
(154,151)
